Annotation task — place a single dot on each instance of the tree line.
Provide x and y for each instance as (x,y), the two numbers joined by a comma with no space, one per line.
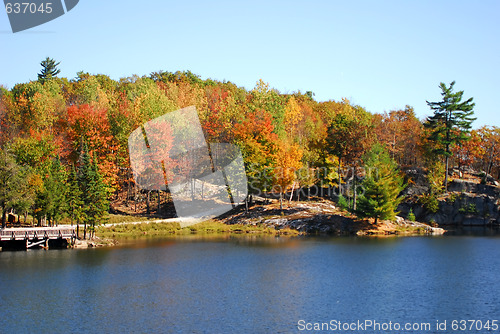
(64,141)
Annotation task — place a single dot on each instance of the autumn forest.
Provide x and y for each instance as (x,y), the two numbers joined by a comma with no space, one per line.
(64,152)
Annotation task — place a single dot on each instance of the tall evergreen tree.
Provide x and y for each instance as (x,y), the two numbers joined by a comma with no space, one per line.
(74,198)
(84,175)
(98,198)
(93,191)
(49,70)
(382,185)
(58,188)
(451,122)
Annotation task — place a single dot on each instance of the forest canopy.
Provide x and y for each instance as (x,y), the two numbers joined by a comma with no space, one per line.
(69,136)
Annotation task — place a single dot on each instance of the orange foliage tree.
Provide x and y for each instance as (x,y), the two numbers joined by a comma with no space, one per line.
(469,152)
(90,125)
(400,130)
(490,144)
(257,141)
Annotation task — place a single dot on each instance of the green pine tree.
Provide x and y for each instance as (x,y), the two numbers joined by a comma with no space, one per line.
(99,204)
(451,122)
(49,70)
(74,198)
(84,175)
(382,186)
(58,189)
(94,194)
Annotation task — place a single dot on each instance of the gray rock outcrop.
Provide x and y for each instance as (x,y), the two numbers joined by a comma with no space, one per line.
(468,204)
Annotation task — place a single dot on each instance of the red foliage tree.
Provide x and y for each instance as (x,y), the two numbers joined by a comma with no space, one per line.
(91,125)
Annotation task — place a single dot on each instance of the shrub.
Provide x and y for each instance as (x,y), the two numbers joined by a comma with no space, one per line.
(452,198)
(435,177)
(411,216)
(429,202)
(342,203)
(468,209)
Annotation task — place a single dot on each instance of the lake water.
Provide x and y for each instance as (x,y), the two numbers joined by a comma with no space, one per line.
(251,285)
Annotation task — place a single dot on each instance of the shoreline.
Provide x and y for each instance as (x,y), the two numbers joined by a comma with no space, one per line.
(264,219)
(311,218)
(323,217)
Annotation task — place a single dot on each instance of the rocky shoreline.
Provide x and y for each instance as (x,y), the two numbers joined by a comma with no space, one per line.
(324,218)
(467,203)
(319,217)
(316,217)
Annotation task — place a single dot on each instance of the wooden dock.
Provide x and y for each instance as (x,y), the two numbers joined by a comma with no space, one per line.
(37,236)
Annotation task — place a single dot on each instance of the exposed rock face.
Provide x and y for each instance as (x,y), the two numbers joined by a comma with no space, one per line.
(419,182)
(317,224)
(468,203)
(325,218)
(472,187)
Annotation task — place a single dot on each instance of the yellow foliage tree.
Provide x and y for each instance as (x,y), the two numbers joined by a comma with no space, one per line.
(293,116)
(288,162)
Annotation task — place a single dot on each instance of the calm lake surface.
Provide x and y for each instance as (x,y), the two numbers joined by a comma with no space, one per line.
(255,285)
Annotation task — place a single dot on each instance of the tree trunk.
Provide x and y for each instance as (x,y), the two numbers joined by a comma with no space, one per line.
(446,175)
(147,202)
(354,189)
(459,168)
(281,200)
(135,198)
(158,211)
(4,217)
(490,163)
(128,191)
(192,188)
(340,180)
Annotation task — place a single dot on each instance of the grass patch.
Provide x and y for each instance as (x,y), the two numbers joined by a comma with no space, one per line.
(153,230)
(411,230)
(115,219)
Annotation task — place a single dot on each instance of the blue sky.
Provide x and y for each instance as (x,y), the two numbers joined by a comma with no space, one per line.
(381,55)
